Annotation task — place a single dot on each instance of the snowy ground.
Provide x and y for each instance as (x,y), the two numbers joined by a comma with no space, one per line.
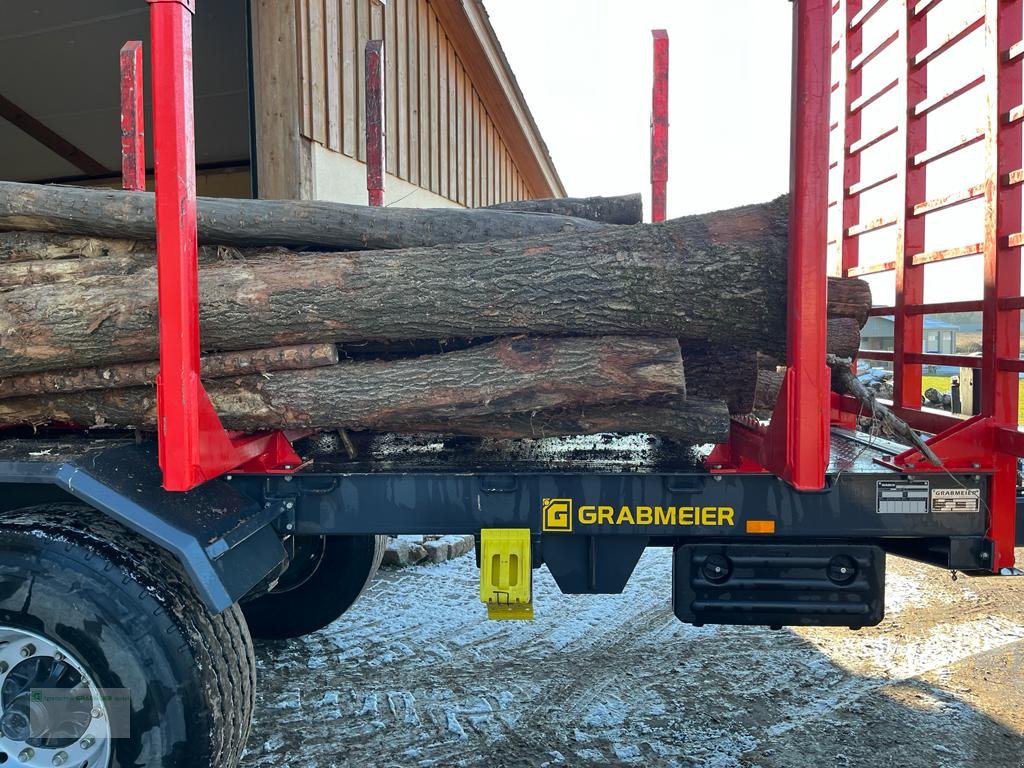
(415,676)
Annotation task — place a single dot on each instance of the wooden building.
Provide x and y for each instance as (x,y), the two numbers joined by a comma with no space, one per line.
(279,99)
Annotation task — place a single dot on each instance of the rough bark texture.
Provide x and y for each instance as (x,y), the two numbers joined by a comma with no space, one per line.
(843,336)
(719,277)
(143,374)
(769,384)
(314,224)
(507,376)
(42,246)
(735,375)
(622,209)
(721,372)
(62,270)
(849,297)
(691,420)
(28,258)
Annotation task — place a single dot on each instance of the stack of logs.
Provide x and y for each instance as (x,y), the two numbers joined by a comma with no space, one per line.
(524,320)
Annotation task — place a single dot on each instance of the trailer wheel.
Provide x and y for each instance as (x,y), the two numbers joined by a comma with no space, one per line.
(88,606)
(325,579)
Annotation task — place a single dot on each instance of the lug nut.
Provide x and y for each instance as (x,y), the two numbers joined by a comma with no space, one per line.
(87,742)
(58,657)
(96,713)
(28,650)
(60,758)
(26,754)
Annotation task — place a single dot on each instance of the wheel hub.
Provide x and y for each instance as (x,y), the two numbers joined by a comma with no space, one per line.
(51,711)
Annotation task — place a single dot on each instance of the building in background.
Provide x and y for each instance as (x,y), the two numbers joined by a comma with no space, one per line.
(279,90)
(940,337)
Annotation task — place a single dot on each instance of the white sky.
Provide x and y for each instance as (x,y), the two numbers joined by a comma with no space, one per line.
(585,69)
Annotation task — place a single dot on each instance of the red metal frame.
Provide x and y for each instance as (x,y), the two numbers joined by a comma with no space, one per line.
(990,441)
(795,445)
(659,126)
(375,134)
(193,446)
(133,143)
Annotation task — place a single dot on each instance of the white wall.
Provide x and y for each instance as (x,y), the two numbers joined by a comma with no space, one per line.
(342,179)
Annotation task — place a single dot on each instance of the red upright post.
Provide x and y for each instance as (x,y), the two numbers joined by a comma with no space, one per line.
(1001,336)
(193,445)
(133,144)
(659,126)
(808,383)
(178,387)
(375,136)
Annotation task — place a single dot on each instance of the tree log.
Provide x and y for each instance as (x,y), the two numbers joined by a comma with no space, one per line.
(733,374)
(30,258)
(721,372)
(843,336)
(42,246)
(143,374)
(719,277)
(769,384)
(42,272)
(520,375)
(850,297)
(303,224)
(690,420)
(623,209)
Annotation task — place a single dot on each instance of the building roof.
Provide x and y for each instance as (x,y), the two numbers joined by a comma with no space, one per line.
(469,29)
(930,323)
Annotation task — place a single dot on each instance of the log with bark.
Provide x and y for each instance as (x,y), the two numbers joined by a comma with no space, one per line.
(719,278)
(734,374)
(305,224)
(45,246)
(721,372)
(849,298)
(689,419)
(622,209)
(506,377)
(143,374)
(766,391)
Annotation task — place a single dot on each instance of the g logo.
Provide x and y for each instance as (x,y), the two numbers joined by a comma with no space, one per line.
(557,515)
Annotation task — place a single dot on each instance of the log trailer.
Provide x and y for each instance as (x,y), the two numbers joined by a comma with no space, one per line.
(140,565)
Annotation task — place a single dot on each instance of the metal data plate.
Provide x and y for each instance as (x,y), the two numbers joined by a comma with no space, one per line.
(902,497)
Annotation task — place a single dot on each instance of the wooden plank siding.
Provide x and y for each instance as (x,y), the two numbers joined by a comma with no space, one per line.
(440,134)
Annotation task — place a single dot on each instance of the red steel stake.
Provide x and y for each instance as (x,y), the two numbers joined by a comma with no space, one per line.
(193,445)
(808,380)
(133,144)
(659,125)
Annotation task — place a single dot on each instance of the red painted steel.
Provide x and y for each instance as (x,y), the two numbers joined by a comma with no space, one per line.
(375,129)
(1004,28)
(659,126)
(795,445)
(133,142)
(908,330)
(990,441)
(193,446)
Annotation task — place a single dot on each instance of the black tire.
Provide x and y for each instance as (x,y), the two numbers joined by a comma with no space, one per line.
(346,564)
(129,614)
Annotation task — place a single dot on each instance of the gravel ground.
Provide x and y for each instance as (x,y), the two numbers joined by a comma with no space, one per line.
(414,675)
